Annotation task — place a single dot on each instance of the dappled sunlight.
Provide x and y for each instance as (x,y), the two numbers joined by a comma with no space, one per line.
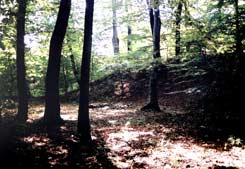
(178,154)
(58,150)
(36,140)
(36,111)
(109,113)
(143,147)
(130,138)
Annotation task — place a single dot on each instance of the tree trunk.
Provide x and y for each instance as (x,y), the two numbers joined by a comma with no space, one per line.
(153,92)
(238,37)
(115,39)
(52,100)
(177,31)
(129,38)
(20,61)
(83,127)
(66,86)
(151,14)
(74,67)
(129,43)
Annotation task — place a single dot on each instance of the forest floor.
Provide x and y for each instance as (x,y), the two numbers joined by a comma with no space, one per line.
(125,137)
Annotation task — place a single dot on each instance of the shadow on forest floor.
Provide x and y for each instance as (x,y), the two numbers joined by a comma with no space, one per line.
(31,146)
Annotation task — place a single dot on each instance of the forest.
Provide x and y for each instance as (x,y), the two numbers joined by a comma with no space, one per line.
(148,84)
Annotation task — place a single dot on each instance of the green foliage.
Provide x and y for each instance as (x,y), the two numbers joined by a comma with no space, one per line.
(206,28)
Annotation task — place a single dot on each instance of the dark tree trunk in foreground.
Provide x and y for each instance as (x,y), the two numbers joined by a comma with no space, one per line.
(240,90)
(52,100)
(20,61)
(115,39)
(83,127)
(153,98)
(177,31)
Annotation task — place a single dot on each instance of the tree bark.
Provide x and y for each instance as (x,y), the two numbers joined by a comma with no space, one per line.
(20,63)
(115,39)
(52,100)
(238,37)
(129,43)
(74,67)
(66,85)
(177,31)
(83,127)
(153,92)
(129,38)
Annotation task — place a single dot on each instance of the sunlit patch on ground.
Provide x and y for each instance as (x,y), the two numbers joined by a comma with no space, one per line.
(144,149)
(37,140)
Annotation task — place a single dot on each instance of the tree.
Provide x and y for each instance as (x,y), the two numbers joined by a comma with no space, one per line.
(52,100)
(129,38)
(115,39)
(238,36)
(20,63)
(74,66)
(177,31)
(83,127)
(65,74)
(156,28)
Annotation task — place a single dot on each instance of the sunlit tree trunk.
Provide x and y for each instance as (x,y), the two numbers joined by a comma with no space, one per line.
(52,100)
(177,31)
(21,69)
(83,127)
(115,39)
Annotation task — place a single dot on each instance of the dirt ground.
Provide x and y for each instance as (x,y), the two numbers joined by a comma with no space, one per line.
(123,137)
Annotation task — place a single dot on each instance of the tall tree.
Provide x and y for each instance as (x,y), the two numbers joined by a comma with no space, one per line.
(83,127)
(74,66)
(115,39)
(65,80)
(177,28)
(238,37)
(129,38)
(52,100)
(20,61)
(152,104)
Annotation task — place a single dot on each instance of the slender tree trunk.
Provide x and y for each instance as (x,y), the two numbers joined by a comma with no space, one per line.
(129,38)
(129,43)
(156,34)
(74,67)
(65,79)
(177,31)
(83,127)
(115,39)
(52,100)
(238,37)
(21,70)
(151,14)
(153,92)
